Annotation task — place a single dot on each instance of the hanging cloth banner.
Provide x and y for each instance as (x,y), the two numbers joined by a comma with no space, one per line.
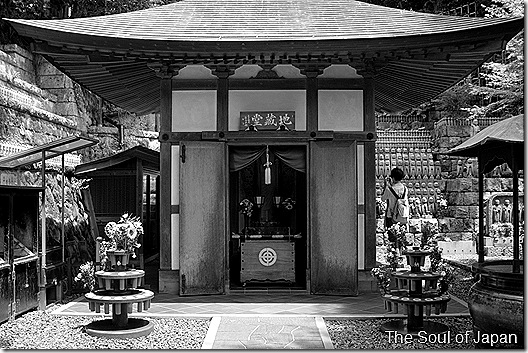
(267,170)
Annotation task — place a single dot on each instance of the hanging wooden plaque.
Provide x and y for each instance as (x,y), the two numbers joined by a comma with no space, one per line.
(267,120)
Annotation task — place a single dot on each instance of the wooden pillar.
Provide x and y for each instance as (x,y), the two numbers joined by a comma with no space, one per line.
(515,214)
(480,245)
(222,95)
(139,210)
(165,72)
(312,96)
(165,171)
(312,102)
(43,279)
(369,125)
(148,214)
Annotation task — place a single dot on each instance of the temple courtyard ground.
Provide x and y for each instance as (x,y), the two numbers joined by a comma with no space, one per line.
(256,321)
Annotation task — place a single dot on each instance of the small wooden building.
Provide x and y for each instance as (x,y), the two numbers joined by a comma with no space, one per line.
(127,182)
(261,100)
(19,249)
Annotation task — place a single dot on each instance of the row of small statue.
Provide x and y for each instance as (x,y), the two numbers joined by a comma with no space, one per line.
(414,162)
(424,207)
(413,170)
(403,151)
(430,188)
(469,168)
(503,213)
(431,169)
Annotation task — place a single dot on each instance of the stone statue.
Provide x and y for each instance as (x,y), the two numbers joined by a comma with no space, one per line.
(469,168)
(415,208)
(496,212)
(432,205)
(474,128)
(507,212)
(459,169)
(425,207)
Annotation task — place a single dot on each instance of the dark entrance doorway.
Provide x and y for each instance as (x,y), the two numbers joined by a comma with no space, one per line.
(268,240)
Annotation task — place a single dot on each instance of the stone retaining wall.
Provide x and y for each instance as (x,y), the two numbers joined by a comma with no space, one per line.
(38,105)
(461,182)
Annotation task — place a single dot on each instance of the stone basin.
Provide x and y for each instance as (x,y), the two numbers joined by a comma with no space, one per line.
(496,303)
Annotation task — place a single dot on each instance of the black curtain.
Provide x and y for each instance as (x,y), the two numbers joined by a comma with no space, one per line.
(292,156)
(241,157)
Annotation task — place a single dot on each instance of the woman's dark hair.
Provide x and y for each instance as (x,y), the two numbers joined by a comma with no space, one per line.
(397,174)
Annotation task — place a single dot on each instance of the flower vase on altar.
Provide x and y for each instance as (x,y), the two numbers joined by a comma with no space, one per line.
(246,208)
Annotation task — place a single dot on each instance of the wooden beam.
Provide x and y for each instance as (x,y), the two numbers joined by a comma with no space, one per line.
(267,135)
(284,136)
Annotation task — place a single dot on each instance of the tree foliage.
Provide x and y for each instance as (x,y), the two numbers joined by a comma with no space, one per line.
(49,9)
(498,88)
(433,6)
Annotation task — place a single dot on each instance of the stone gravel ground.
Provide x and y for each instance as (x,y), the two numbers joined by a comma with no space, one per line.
(40,330)
(462,283)
(366,334)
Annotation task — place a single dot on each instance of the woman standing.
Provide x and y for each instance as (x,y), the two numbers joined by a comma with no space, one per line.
(394,190)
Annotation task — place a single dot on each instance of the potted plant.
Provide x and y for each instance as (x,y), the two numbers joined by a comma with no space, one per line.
(121,242)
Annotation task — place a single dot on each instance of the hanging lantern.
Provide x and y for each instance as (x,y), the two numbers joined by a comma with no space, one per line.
(267,170)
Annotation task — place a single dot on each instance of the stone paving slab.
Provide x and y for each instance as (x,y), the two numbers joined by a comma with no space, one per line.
(164,305)
(269,333)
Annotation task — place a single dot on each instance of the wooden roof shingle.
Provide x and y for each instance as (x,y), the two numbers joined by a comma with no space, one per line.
(415,55)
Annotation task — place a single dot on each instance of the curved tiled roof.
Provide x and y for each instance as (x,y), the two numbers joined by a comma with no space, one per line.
(257,20)
(415,56)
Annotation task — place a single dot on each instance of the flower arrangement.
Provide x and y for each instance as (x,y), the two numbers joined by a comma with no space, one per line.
(381,208)
(397,234)
(438,264)
(397,242)
(393,257)
(382,274)
(288,204)
(121,236)
(246,207)
(429,233)
(86,275)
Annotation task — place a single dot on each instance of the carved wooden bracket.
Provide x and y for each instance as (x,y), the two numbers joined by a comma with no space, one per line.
(367,68)
(222,71)
(312,70)
(165,70)
(267,72)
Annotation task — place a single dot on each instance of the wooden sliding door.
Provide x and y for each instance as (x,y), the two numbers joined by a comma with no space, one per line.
(333,218)
(202,217)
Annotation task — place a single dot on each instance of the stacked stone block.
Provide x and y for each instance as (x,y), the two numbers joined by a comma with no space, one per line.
(27,113)
(451,177)
(461,179)
(39,104)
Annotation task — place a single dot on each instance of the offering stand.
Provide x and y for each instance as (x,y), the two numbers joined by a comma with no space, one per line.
(418,293)
(118,290)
